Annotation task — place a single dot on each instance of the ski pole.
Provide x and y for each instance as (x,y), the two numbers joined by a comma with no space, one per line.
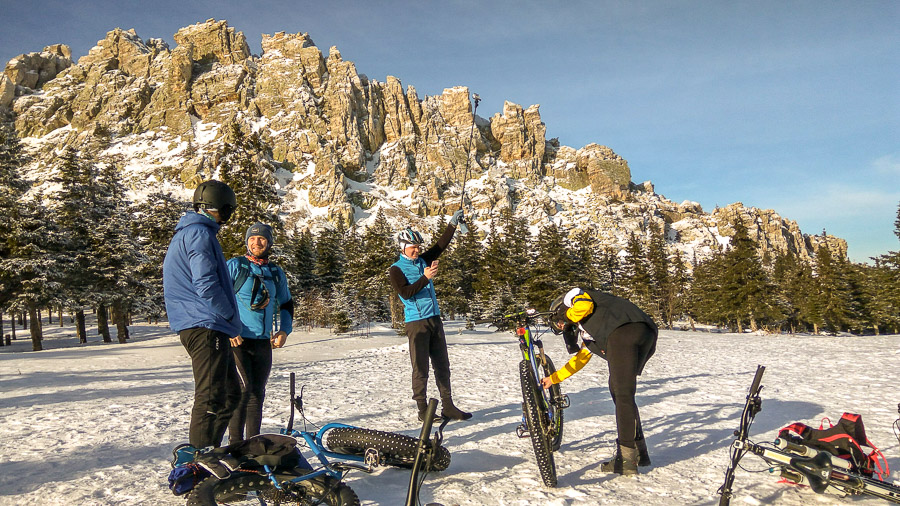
(463,229)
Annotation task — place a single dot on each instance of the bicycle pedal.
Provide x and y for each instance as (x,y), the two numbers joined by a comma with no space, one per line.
(563,402)
(372,458)
(522,431)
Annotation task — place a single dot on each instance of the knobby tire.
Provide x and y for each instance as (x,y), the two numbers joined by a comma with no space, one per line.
(535,419)
(396,449)
(322,490)
(556,423)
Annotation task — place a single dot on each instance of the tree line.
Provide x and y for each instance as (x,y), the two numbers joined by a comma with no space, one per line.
(84,245)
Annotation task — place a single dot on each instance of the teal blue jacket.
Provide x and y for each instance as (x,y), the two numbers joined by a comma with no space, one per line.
(257,323)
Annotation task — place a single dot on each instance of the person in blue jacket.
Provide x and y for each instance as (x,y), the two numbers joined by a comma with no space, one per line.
(263,297)
(411,277)
(201,307)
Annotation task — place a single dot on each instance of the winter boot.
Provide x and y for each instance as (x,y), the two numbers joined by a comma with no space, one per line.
(624,462)
(450,411)
(644,459)
(423,407)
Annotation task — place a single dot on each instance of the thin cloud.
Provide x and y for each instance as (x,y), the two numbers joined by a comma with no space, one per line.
(888,165)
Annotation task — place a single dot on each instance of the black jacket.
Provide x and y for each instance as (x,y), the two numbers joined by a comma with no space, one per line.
(610,313)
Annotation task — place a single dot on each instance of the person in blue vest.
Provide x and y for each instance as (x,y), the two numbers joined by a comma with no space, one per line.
(263,298)
(411,277)
(201,307)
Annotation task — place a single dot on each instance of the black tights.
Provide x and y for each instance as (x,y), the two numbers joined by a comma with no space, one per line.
(253,361)
(625,347)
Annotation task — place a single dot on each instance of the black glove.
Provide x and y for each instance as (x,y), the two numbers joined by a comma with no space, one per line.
(570,336)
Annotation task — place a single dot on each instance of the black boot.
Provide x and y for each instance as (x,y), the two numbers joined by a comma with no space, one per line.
(450,411)
(423,407)
(624,462)
(644,459)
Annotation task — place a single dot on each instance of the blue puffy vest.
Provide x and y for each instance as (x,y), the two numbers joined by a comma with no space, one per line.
(423,304)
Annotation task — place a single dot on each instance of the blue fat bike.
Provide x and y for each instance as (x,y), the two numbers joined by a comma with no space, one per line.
(542,409)
(338,448)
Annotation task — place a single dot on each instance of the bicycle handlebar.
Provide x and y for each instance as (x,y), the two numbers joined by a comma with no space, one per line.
(527,316)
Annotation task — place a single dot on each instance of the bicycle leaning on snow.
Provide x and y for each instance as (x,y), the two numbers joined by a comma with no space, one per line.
(542,410)
(286,478)
(798,463)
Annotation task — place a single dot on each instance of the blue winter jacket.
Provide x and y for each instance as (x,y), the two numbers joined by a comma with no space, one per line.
(257,323)
(196,283)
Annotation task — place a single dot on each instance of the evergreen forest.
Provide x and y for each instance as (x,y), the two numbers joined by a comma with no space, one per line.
(87,248)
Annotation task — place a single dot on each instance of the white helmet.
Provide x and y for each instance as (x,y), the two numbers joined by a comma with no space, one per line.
(409,237)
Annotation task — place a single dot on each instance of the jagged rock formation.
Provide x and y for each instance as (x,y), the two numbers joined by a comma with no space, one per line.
(345,145)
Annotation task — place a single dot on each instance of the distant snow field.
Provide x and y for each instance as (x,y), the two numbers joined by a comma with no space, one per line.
(95,424)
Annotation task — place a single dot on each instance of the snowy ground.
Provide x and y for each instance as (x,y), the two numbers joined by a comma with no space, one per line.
(95,424)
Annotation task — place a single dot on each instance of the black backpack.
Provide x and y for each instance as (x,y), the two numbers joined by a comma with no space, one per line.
(244,273)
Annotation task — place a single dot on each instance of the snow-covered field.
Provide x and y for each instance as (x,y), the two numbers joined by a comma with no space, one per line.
(95,424)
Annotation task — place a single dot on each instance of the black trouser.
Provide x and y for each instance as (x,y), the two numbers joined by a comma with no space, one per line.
(247,389)
(427,340)
(624,349)
(212,364)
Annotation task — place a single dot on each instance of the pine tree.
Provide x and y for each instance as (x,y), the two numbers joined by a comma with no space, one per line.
(76,211)
(791,284)
(636,281)
(706,291)
(245,168)
(152,227)
(367,268)
(551,268)
(662,290)
(12,190)
(29,263)
(457,277)
(586,260)
(117,252)
(833,297)
(330,258)
(748,294)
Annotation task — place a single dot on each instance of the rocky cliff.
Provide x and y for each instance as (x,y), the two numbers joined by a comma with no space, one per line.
(345,145)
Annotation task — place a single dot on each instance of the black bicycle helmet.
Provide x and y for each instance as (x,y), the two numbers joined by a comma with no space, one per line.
(557,322)
(215,195)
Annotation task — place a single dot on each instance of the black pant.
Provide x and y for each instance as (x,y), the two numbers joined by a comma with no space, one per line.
(427,340)
(247,389)
(212,364)
(625,347)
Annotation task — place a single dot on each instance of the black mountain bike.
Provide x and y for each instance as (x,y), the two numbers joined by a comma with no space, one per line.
(542,409)
(796,462)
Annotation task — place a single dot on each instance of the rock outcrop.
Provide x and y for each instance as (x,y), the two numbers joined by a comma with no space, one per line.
(345,144)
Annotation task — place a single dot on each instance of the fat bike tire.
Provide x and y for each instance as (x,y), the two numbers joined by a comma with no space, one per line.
(534,419)
(556,422)
(322,490)
(395,449)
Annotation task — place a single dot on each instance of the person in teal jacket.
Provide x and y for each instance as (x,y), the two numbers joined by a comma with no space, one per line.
(411,277)
(263,298)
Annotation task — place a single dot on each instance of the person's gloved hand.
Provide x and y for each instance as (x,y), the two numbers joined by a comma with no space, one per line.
(457,216)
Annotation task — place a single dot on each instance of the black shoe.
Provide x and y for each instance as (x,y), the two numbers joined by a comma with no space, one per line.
(424,408)
(644,455)
(450,411)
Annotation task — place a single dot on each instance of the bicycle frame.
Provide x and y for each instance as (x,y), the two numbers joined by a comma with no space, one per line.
(796,462)
(533,351)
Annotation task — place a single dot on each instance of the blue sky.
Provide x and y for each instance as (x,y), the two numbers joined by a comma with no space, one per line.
(785,105)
